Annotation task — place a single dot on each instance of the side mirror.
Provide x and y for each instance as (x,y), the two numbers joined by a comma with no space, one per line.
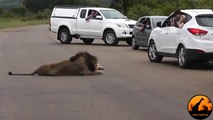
(158,24)
(148,27)
(99,17)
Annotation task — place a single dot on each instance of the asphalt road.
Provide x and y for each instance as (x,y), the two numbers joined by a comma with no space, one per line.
(131,87)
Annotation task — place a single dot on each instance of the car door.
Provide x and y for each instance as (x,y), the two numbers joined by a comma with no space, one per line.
(146,33)
(81,23)
(89,27)
(168,37)
(161,38)
(174,34)
(172,37)
(142,34)
(137,31)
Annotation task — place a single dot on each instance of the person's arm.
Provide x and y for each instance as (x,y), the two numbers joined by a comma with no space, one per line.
(88,17)
(181,22)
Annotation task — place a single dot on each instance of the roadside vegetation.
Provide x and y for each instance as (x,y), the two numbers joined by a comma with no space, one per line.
(136,8)
(18,16)
(18,22)
(30,12)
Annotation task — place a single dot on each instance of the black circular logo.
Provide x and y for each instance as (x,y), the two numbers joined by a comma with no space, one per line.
(200,107)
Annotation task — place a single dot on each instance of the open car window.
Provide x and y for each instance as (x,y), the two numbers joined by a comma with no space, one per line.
(169,21)
(92,12)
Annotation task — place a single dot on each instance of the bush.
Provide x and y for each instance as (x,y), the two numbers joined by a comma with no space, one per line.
(18,11)
(1,11)
(138,10)
(45,14)
(8,14)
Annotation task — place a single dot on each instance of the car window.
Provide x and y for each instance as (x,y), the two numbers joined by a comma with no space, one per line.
(83,13)
(171,19)
(92,14)
(140,21)
(149,23)
(112,14)
(205,20)
(188,17)
(166,23)
(155,20)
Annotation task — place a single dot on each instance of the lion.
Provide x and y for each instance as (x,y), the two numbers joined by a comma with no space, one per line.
(82,63)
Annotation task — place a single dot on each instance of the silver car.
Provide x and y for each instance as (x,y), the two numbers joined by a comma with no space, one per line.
(143,28)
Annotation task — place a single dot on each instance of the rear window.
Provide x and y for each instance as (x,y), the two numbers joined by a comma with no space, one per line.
(205,20)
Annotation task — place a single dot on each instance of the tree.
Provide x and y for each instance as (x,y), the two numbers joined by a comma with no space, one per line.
(125,6)
(36,5)
(138,10)
(117,4)
(18,11)
(121,5)
(1,11)
(74,2)
(204,4)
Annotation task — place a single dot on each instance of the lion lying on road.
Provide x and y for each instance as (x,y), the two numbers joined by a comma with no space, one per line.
(82,63)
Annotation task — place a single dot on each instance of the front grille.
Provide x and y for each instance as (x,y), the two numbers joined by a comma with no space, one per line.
(131,26)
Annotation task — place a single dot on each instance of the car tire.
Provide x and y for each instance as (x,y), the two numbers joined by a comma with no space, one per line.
(64,36)
(87,41)
(129,41)
(134,45)
(110,38)
(152,53)
(183,60)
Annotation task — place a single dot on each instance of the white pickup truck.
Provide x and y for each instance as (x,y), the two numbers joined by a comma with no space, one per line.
(89,23)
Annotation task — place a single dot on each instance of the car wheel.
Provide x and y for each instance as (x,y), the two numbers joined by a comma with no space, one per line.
(183,61)
(152,53)
(129,41)
(110,38)
(64,36)
(87,41)
(134,45)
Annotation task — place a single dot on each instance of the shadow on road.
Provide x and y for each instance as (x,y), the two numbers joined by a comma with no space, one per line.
(192,66)
(100,44)
(93,44)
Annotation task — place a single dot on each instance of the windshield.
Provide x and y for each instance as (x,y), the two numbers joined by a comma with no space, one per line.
(205,20)
(156,20)
(112,14)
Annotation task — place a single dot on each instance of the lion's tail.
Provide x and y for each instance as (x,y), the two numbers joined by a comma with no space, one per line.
(33,73)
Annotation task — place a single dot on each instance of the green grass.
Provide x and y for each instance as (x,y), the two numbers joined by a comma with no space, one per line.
(17,22)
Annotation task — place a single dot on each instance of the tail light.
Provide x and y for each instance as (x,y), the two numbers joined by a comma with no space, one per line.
(200,51)
(197,32)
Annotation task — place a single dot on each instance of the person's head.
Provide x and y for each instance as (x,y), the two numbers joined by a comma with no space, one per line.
(177,13)
(172,21)
(92,12)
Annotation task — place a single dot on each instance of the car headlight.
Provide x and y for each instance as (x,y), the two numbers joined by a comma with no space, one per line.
(121,25)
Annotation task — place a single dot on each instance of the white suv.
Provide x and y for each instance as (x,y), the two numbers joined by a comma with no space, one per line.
(194,41)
